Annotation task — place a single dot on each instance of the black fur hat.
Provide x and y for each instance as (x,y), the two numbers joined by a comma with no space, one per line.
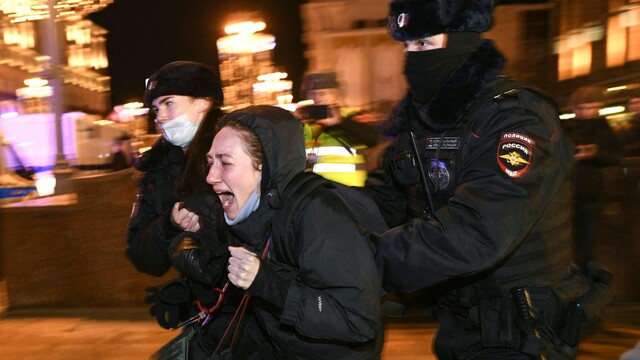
(417,19)
(319,80)
(186,78)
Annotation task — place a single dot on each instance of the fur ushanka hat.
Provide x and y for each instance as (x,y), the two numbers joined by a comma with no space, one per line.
(418,19)
(186,78)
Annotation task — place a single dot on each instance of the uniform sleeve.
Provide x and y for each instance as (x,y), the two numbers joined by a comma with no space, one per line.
(362,132)
(336,293)
(149,234)
(512,168)
(391,201)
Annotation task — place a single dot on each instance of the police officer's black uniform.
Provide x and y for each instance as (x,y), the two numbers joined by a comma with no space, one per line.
(171,174)
(478,176)
(164,167)
(151,231)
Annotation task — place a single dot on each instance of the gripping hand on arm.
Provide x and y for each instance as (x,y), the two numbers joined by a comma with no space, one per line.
(185,218)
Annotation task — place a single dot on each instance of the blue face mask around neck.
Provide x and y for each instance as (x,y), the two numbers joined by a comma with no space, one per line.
(250,206)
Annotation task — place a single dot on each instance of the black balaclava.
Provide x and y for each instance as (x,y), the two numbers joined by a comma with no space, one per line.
(427,71)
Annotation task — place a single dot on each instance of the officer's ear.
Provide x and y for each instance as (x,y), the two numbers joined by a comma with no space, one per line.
(203,104)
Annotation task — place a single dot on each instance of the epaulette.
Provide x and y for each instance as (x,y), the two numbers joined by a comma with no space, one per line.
(507,94)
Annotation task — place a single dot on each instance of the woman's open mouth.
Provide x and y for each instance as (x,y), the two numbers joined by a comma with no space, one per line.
(227,199)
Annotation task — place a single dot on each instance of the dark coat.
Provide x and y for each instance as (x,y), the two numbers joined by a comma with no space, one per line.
(497,165)
(325,303)
(589,180)
(150,230)
(354,133)
(631,137)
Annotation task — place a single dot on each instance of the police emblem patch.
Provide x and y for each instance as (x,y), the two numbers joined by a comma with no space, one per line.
(439,174)
(515,153)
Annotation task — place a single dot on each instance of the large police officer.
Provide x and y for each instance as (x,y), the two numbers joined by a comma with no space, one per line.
(476,182)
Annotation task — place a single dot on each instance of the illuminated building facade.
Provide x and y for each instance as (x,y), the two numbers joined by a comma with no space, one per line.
(52,77)
(598,42)
(350,38)
(557,45)
(28,50)
(248,74)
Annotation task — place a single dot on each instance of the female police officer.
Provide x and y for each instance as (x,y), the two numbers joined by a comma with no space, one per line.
(185,98)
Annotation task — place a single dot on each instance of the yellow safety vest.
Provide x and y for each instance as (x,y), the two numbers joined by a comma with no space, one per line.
(334,159)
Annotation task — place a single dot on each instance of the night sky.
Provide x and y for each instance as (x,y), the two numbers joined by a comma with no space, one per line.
(146,34)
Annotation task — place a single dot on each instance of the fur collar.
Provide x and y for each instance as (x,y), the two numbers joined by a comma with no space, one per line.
(457,95)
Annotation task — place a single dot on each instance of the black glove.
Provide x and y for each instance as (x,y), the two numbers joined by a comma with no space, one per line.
(198,264)
(170,303)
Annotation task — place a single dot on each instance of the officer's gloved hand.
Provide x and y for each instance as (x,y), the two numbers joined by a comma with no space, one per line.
(190,259)
(198,264)
(170,303)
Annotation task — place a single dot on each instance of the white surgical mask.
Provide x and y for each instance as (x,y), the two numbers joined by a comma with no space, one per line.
(180,130)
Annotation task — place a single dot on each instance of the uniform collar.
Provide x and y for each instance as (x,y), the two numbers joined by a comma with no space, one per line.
(162,152)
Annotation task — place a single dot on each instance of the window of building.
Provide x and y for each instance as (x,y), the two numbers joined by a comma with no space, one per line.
(623,32)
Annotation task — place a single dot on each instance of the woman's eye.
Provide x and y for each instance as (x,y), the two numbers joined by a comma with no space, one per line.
(423,43)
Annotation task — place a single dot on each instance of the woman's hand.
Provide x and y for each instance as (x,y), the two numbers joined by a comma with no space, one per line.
(185,219)
(243,267)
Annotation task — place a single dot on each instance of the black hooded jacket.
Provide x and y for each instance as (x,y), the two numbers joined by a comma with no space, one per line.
(324,304)
(496,163)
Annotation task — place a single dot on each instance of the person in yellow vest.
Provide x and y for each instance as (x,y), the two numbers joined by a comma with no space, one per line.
(334,134)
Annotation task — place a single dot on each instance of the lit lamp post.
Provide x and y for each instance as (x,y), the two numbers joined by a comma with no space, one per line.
(65,10)
(273,89)
(244,54)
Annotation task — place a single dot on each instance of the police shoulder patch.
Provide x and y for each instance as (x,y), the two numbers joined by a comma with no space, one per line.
(515,153)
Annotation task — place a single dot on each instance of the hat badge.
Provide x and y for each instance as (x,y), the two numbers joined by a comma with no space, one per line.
(403,20)
(152,85)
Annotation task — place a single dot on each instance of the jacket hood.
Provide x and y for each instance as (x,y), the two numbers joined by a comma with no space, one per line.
(281,136)
(282,139)
(455,97)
